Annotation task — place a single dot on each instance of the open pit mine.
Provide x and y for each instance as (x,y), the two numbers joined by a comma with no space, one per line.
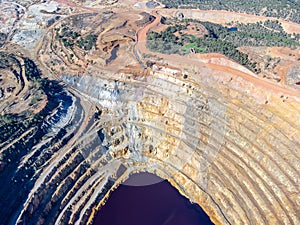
(85,103)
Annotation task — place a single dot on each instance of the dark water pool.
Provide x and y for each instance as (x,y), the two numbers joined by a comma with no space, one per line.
(155,204)
(113,55)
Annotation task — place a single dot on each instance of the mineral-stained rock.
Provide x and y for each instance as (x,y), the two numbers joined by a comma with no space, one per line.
(224,138)
(228,151)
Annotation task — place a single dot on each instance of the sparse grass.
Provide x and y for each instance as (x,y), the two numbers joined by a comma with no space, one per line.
(193,46)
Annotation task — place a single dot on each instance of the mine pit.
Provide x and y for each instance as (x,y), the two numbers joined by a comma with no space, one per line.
(93,93)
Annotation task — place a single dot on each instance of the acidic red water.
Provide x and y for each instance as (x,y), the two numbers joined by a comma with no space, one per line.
(155,204)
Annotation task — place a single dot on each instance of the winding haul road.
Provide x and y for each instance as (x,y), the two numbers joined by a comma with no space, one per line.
(141,48)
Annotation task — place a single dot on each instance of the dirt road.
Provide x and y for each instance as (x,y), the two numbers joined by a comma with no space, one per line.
(141,48)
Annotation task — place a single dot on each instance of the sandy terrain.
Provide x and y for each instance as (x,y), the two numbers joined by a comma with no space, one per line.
(276,62)
(176,60)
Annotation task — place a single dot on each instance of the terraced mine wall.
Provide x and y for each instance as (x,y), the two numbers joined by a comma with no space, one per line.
(232,149)
(84,104)
(36,138)
(182,129)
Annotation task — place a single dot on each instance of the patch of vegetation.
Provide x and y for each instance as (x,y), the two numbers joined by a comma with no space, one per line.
(8,61)
(3,37)
(274,25)
(286,9)
(12,125)
(221,40)
(87,42)
(253,34)
(193,46)
(69,38)
(66,35)
(13,128)
(32,72)
(166,41)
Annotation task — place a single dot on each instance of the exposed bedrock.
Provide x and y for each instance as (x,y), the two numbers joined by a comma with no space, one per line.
(235,156)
